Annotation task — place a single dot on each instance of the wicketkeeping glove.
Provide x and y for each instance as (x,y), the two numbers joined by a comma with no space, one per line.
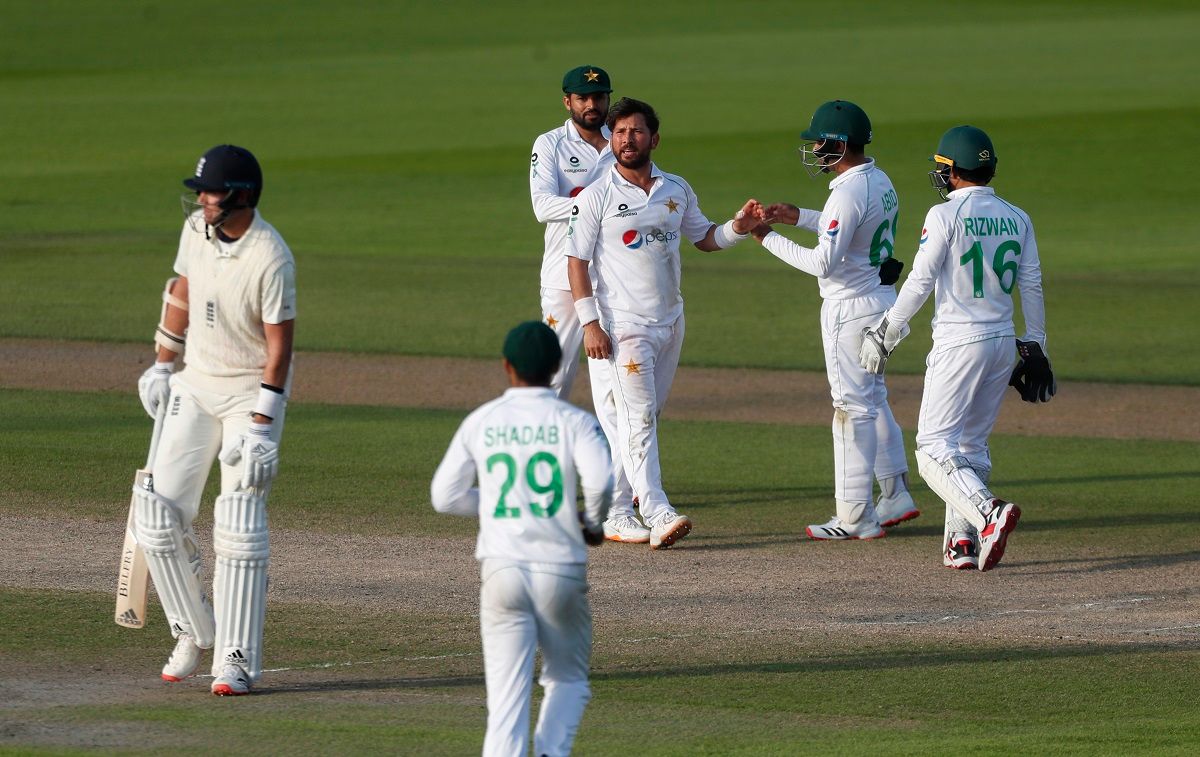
(1032,376)
(889,271)
(257,453)
(878,343)
(154,387)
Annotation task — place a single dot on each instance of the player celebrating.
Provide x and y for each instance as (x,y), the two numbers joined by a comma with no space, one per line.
(235,299)
(974,249)
(855,270)
(527,449)
(564,161)
(625,228)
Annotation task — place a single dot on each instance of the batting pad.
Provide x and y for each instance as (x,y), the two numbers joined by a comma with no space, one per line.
(173,557)
(938,479)
(240,581)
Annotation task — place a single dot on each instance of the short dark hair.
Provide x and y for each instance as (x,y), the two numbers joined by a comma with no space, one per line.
(626,107)
(981,175)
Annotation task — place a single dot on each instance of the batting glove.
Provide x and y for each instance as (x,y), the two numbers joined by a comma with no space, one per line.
(258,454)
(154,387)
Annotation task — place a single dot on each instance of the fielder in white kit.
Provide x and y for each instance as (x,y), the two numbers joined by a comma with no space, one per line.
(234,303)
(527,450)
(975,248)
(625,229)
(564,161)
(854,266)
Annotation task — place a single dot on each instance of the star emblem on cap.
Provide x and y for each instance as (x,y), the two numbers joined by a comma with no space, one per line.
(592,75)
(632,368)
(551,321)
(672,205)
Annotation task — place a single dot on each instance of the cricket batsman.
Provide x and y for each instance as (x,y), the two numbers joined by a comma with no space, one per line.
(975,249)
(856,272)
(529,451)
(233,302)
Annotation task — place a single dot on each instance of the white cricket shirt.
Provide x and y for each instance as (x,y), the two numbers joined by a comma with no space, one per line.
(562,164)
(632,239)
(856,233)
(527,449)
(233,289)
(975,248)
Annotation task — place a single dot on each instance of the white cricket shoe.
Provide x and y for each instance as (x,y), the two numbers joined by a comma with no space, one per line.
(626,529)
(839,530)
(232,682)
(994,537)
(183,661)
(669,528)
(897,509)
(963,552)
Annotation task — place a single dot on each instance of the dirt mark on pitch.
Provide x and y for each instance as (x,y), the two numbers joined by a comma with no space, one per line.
(1115,411)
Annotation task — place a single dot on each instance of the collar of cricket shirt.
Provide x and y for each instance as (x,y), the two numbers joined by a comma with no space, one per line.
(231,249)
(655,175)
(853,172)
(526,390)
(971,190)
(574,135)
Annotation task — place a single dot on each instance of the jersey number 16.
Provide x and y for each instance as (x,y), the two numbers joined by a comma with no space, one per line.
(1006,270)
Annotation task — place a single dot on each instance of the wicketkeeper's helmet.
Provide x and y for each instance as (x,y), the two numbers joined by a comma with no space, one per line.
(966,148)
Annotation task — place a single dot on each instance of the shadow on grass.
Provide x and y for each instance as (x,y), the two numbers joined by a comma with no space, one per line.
(866,661)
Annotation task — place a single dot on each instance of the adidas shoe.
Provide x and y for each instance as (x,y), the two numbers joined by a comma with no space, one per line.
(897,509)
(962,553)
(627,529)
(232,682)
(993,538)
(183,661)
(838,530)
(669,528)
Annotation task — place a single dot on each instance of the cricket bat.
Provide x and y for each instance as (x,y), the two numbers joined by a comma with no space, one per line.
(133,577)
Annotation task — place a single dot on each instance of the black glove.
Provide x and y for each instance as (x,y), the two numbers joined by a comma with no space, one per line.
(889,271)
(1032,376)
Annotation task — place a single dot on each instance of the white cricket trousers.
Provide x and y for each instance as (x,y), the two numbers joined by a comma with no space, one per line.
(197,425)
(866,438)
(559,305)
(642,369)
(524,606)
(964,388)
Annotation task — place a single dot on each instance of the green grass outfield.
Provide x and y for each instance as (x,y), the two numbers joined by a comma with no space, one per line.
(395,138)
(754,695)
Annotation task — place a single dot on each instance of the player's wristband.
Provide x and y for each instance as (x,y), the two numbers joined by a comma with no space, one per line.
(270,401)
(587,310)
(726,237)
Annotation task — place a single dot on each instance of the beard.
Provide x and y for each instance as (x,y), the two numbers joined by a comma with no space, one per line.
(590,120)
(636,162)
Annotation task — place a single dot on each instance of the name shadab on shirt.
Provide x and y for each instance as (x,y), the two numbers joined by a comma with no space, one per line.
(498,436)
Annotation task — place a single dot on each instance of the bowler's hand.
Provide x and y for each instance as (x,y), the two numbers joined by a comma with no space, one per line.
(782,212)
(596,342)
(748,217)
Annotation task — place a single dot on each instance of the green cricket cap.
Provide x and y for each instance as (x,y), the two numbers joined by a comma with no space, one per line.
(585,80)
(532,348)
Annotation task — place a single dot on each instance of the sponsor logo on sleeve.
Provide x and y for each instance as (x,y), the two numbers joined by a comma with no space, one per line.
(924,236)
(833,229)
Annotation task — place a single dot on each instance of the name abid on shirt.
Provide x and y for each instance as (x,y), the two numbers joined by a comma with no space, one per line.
(500,436)
(986,226)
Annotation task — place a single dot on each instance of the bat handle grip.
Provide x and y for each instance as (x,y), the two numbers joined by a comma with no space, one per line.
(156,434)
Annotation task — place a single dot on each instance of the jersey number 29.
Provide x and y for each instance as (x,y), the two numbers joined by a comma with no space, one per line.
(554,487)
